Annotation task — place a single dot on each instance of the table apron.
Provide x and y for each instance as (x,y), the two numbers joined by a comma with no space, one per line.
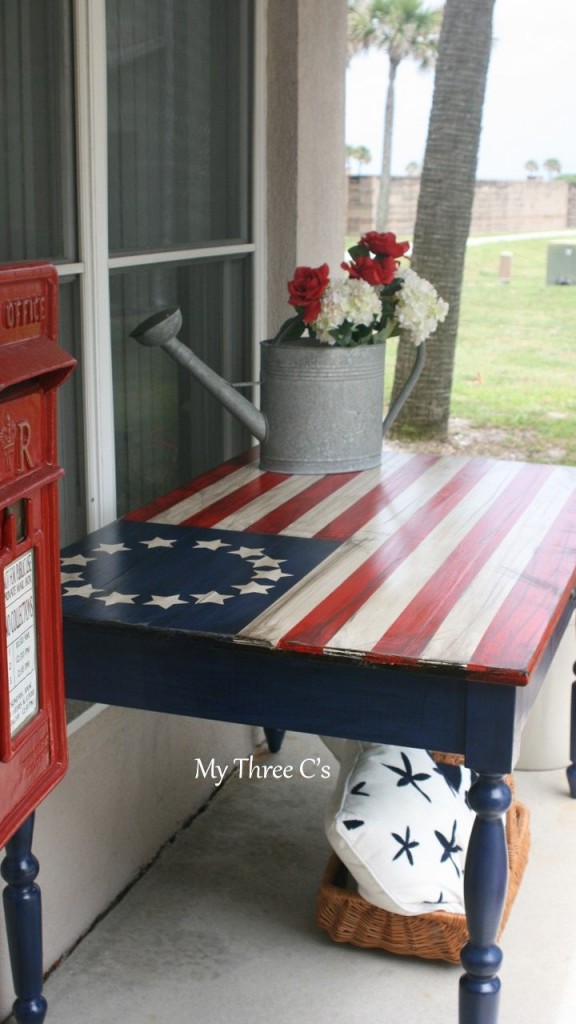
(168,672)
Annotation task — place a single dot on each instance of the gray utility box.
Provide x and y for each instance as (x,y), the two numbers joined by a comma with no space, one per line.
(561,267)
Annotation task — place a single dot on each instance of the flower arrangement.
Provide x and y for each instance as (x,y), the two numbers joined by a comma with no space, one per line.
(376,299)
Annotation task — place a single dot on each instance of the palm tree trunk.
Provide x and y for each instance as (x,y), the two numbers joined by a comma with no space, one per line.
(385,173)
(445,202)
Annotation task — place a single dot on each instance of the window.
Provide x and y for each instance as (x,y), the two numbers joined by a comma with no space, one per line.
(37,197)
(127,159)
(167,426)
(37,191)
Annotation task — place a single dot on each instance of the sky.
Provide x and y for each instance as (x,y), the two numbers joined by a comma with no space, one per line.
(530,105)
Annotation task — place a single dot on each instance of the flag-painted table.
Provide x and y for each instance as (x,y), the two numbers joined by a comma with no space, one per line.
(417,604)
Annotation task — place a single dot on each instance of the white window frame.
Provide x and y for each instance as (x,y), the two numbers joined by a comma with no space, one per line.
(94,265)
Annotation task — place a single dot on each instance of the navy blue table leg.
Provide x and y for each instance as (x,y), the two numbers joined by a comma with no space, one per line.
(23,913)
(485,883)
(571,769)
(274,738)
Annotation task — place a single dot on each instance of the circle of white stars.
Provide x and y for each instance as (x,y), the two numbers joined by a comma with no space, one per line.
(265,573)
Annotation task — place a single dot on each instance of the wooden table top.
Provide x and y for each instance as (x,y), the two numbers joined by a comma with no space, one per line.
(455,563)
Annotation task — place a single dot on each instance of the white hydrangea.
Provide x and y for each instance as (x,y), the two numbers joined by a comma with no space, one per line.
(419,308)
(348,299)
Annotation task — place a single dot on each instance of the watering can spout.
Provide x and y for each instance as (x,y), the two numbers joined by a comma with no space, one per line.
(161,329)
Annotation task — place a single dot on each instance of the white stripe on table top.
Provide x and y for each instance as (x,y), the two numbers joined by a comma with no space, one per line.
(294,484)
(470,618)
(309,592)
(328,511)
(291,486)
(340,567)
(202,499)
(376,615)
(342,496)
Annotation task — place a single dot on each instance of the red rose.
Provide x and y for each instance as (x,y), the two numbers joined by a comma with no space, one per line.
(383,243)
(379,271)
(307,288)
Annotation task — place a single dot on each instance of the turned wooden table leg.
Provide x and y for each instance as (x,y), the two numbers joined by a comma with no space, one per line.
(23,913)
(485,884)
(274,738)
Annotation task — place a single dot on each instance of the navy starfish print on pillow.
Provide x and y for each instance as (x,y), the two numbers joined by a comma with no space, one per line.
(435,903)
(450,846)
(452,775)
(357,790)
(406,845)
(407,776)
(353,823)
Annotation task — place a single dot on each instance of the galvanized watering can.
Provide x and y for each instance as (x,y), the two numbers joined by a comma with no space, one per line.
(321,405)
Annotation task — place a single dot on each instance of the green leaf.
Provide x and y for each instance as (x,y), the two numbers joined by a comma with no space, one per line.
(343,335)
(290,330)
(358,250)
(363,336)
(388,290)
(388,310)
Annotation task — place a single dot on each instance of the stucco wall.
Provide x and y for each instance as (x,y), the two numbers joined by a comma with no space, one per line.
(500,207)
(306,184)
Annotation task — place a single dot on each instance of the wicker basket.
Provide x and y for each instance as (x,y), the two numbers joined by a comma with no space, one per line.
(348,917)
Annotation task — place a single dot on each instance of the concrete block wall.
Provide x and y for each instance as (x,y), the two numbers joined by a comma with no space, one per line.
(500,207)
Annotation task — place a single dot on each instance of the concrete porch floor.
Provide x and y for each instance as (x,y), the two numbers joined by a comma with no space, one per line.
(221,927)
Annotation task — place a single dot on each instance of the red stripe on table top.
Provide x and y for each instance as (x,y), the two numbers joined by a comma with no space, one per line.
(212,476)
(421,619)
(533,607)
(281,517)
(370,504)
(313,632)
(236,500)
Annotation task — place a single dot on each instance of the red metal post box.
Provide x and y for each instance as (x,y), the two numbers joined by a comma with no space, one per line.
(33,750)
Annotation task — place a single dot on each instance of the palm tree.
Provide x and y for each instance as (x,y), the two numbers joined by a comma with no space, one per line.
(445,202)
(531,167)
(552,166)
(404,29)
(361,154)
(413,169)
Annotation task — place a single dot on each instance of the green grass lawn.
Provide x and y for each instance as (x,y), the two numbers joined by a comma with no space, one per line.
(516,354)
(515,370)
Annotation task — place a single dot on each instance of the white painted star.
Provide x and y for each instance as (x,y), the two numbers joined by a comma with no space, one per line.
(247,552)
(272,563)
(212,597)
(252,588)
(158,542)
(86,591)
(110,549)
(76,560)
(212,545)
(68,577)
(271,574)
(165,602)
(116,598)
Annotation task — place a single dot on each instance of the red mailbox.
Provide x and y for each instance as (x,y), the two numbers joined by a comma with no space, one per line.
(33,751)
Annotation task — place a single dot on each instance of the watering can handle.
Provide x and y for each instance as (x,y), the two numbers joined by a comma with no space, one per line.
(407,389)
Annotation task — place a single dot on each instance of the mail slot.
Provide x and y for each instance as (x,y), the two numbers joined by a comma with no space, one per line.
(33,750)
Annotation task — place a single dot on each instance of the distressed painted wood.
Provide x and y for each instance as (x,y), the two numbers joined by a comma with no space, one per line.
(458,562)
(419,603)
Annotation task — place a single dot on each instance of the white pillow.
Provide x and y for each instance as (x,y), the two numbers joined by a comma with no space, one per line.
(401,824)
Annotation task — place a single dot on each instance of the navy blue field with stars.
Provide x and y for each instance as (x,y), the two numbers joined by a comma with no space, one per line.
(182,578)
